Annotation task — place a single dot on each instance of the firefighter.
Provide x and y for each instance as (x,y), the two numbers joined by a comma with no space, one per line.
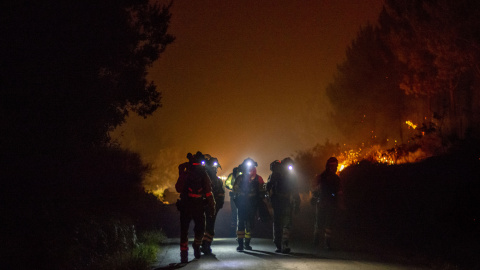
(325,197)
(195,190)
(229,185)
(248,191)
(218,191)
(283,192)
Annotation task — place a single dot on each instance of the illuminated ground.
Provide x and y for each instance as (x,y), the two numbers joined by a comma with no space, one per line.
(303,256)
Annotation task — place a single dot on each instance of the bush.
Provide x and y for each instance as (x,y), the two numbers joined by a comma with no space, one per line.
(429,207)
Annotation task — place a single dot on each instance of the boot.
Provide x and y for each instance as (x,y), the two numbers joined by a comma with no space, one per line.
(285,247)
(240,244)
(184,256)
(279,247)
(196,251)
(247,244)
(206,247)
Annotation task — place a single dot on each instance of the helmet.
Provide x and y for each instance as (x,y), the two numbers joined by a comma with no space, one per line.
(213,162)
(288,163)
(249,163)
(197,159)
(331,161)
(249,166)
(275,165)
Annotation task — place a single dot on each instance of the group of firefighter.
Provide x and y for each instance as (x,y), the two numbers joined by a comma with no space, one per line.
(202,195)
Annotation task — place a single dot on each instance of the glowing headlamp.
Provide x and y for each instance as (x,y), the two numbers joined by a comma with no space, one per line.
(203,162)
(215,164)
(290,167)
(249,163)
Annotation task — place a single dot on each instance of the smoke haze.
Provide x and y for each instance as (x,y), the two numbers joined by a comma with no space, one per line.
(245,79)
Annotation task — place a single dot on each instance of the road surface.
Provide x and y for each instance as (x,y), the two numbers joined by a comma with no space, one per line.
(263,256)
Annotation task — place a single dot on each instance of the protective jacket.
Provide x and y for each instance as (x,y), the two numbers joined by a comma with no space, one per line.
(283,190)
(326,188)
(248,191)
(217,190)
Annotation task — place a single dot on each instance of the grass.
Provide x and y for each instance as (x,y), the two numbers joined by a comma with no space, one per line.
(141,257)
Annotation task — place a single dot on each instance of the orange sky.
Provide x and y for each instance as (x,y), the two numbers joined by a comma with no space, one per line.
(245,79)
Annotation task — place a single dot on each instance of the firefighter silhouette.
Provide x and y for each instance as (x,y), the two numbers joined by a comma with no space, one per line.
(282,188)
(325,198)
(229,185)
(248,191)
(218,191)
(195,190)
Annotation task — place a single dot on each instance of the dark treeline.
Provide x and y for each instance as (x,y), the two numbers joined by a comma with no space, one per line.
(419,62)
(71,73)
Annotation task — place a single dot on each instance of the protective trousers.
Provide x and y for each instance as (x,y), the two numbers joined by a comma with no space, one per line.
(245,223)
(324,216)
(196,213)
(209,232)
(282,225)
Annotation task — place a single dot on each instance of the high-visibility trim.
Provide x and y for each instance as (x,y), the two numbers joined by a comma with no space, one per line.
(184,246)
(240,234)
(193,195)
(195,164)
(248,235)
(208,194)
(197,241)
(208,237)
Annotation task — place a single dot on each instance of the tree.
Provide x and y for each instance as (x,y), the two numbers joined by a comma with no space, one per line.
(365,93)
(72,71)
(439,43)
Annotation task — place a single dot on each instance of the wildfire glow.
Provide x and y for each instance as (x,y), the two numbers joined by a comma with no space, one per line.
(376,154)
(410,124)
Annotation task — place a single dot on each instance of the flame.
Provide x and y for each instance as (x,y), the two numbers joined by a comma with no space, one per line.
(376,154)
(160,193)
(411,124)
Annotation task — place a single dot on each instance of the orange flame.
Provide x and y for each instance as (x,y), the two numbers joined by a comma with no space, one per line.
(411,124)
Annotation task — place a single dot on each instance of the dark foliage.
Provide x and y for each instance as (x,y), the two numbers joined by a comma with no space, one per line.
(70,73)
(429,208)
(76,211)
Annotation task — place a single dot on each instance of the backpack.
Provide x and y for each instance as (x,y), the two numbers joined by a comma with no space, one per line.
(192,183)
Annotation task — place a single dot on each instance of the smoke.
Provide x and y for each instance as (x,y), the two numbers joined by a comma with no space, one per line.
(164,171)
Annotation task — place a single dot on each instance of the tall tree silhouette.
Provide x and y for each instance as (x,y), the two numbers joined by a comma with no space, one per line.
(72,71)
(369,106)
(439,43)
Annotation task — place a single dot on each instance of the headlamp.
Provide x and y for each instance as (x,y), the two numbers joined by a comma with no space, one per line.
(249,163)
(215,164)
(203,162)
(290,167)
